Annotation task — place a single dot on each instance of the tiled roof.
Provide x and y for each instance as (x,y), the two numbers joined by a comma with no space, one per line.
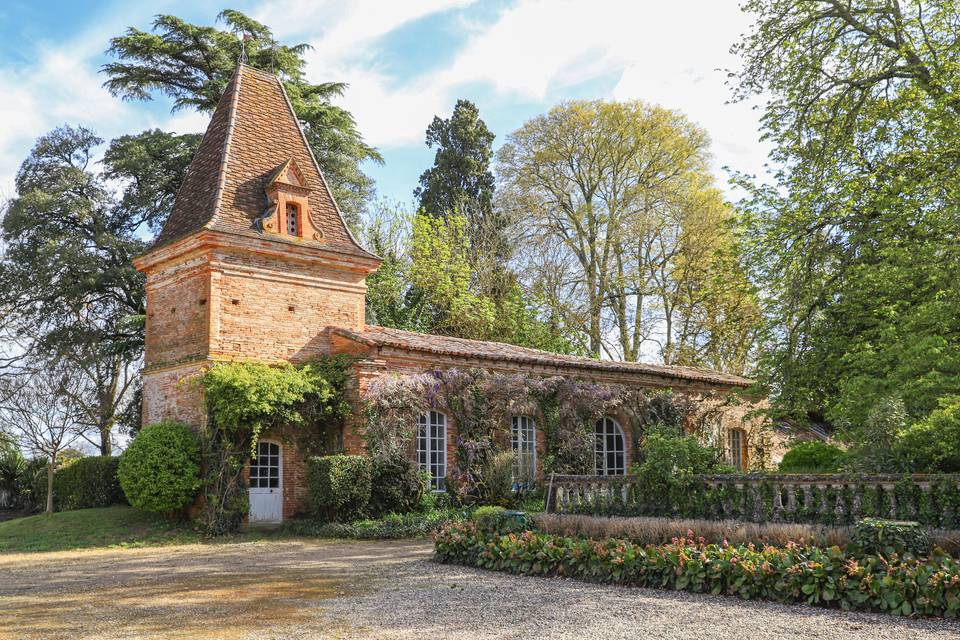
(445,345)
(253,131)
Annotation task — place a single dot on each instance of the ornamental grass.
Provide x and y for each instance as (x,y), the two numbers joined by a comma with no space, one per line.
(792,573)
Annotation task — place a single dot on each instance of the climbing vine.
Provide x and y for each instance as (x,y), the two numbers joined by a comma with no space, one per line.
(482,405)
(305,403)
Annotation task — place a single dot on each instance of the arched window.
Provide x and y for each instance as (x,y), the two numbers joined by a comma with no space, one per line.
(293,219)
(524,433)
(738,448)
(611,449)
(432,448)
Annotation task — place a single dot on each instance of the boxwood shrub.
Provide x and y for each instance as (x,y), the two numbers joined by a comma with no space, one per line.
(886,537)
(88,483)
(397,486)
(812,575)
(160,470)
(340,487)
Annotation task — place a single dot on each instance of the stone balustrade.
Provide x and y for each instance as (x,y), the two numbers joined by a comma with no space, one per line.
(826,499)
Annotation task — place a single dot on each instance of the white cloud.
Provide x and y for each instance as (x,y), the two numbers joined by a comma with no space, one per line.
(668,53)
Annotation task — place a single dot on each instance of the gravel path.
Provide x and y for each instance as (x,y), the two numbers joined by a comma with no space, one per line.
(382,590)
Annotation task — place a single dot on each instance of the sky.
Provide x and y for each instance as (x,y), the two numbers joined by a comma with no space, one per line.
(404,61)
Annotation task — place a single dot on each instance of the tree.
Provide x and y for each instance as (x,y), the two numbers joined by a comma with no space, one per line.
(461,166)
(40,410)
(70,235)
(853,236)
(626,230)
(192,64)
(426,284)
(461,183)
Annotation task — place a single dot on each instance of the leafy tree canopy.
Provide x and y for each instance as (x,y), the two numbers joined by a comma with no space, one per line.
(853,238)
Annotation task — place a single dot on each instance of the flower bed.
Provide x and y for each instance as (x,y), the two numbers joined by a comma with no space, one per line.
(825,577)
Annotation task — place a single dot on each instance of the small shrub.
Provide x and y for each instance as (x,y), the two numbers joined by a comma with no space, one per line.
(88,483)
(397,486)
(496,487)
(340,487)
(487,518)
(885,537)
(813,456)
(12,467)
(160,470)
(670,460)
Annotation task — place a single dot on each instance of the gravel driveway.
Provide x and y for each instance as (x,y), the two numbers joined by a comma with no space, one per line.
(382,590)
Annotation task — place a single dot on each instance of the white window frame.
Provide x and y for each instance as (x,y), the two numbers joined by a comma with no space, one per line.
(523,438)
(602,429)
(432,448)
(253,465)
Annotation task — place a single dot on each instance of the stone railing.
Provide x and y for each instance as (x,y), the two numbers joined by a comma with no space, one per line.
(827,499)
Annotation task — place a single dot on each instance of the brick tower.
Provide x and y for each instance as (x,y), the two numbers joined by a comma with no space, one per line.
(255,261)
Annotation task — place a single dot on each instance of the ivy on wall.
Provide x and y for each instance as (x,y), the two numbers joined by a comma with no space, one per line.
(482,405)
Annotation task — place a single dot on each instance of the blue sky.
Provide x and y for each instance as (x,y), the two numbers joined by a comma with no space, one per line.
(404,61)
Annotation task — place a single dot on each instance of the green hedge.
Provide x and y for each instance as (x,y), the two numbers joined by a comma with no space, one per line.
(391,527)
(397,486)
(339,487)
(84,483)
(825,577)
(886,537)
(160,470)
(753,501)
(88,483)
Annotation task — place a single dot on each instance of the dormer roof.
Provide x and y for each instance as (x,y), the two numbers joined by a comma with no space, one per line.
(253,142)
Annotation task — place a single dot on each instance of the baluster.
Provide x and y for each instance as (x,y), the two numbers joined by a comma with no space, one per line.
(888,489)
(839,509)
(778,502)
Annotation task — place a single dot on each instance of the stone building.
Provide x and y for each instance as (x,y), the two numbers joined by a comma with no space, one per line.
(256,263)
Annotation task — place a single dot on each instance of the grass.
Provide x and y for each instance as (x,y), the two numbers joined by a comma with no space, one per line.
(119,526)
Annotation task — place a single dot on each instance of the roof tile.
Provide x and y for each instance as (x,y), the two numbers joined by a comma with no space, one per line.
(253,131)
(446,345)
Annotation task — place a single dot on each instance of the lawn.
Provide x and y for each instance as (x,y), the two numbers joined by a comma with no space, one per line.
(118,526)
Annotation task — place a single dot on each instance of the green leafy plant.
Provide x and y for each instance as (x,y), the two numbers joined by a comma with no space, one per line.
(813,456)
(670,461)
(160,470)
(12,467)
(829,577)
(932,445)
(88,483)
(887,537)
(397,486)
(340,487)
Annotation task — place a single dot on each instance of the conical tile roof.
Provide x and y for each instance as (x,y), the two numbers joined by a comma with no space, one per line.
(253,131)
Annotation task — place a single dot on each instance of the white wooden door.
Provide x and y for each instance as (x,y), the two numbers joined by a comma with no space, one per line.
(266,483)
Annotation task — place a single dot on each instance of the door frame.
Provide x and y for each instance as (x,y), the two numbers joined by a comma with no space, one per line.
(267,491)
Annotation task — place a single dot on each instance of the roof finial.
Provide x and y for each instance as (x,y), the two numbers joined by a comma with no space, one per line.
(243,47)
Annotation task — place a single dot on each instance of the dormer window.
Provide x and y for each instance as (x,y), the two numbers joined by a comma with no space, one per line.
(293,220)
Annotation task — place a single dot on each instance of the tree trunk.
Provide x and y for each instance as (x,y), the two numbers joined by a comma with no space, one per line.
(50,472)
(106,447)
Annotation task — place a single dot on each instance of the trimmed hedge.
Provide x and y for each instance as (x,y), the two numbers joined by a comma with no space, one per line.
(88,483)
(340,487)
(825,577)
(397,486)
(160,470)
(391,527)
(887,537)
